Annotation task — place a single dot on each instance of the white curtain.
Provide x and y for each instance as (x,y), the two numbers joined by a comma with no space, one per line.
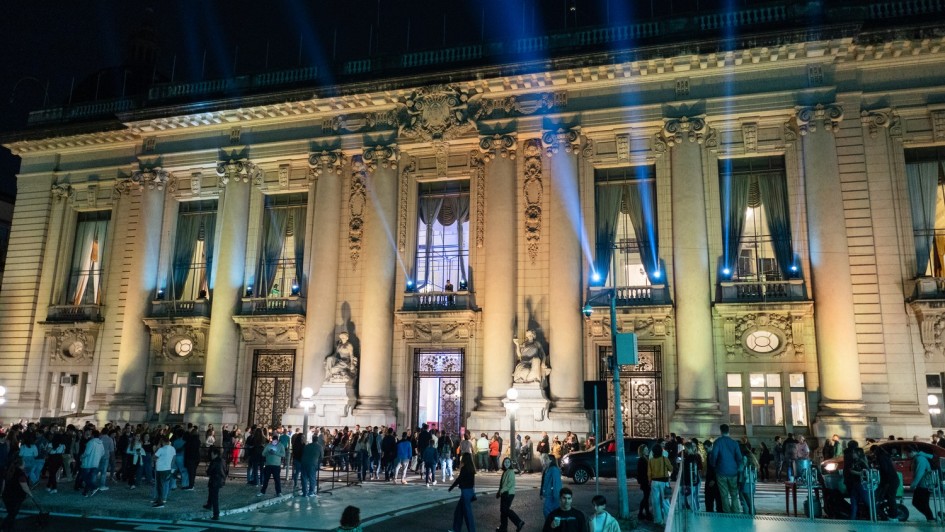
(86,262)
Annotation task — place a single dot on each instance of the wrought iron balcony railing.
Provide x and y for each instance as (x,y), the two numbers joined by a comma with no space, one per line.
(762,291)
(438,301)
(174,309)
(74,313)
(272,305)
(635,296)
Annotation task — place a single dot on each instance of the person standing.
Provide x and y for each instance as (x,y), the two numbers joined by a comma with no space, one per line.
(543,450)
(494,450)
(550,486)
(505,495)
(16,489)
(726,458)
(790,455)
(134,454)
(854,467)
(191,456)
(310,463)
(389,455)
(445,456)
(163,461)
(91,461)
(404,452)
(54,461)
(600,520)
(525,455)
(643,477)
(778,458)
(482,452)
(660,469)
(921,482)
(216,476)
(763,461)
(273,455)
(565,518)
(467,486)
(713,497)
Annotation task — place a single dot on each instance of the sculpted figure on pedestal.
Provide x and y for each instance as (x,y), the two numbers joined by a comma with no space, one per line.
(342,365)
(532,361)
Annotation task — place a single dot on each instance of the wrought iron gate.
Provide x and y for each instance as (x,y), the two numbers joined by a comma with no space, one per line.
(446,368)
(641,393)
(272,386)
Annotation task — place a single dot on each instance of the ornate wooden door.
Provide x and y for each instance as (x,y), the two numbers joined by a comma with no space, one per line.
(641,393)
(272,386)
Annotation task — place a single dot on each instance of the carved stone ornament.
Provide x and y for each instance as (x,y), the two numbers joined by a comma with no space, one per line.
(655,325)
(477,165)
(381,156)
(532,190)
(938,125)
(61,191)
(330,161)
(439,112)
(931,318)
(808,119)
(239,170)
(195,184)
(623,147)
(91,196)
(519,105)
(569,139)
(357,200)
(692,129)
(405,174)
(873,121)
(151,177)
(272,333)
(73,345)
(764,335)
(284,176)
(438,332)
(497,145)
(359,122)
(181,342)
(750,136)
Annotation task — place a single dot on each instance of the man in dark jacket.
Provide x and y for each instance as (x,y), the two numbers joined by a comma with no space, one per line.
(216,477)
(192,455)
(726,458)
(389,454)
(310,462)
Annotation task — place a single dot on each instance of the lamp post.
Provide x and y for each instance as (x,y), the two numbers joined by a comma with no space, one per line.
(511,405)
(306,403)
(623,501)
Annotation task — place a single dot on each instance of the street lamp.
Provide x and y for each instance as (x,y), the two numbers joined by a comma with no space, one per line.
(306,403)
(511,405)
(623,502)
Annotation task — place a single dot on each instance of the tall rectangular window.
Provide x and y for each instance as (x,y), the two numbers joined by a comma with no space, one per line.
(88,257)
(925,175)
(193,250)
(756,226)
(280,272)
(627,250)
(442,235)
(798,399)
(766,405)
(736,408)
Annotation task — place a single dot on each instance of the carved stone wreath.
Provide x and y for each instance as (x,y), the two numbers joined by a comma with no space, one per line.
(439,112)
(180,342)
(73,345)
(768,335)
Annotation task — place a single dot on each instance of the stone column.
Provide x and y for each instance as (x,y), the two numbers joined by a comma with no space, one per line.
(834,319)
(697,406)
(219,402)
(498,319)
(321,296)
(379,265)
(565,321)
(131,373)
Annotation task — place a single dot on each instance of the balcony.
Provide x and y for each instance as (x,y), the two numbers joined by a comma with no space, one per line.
(438,301)
(762,291)
(632,296)
(74,313)
(177,309)
(255,306)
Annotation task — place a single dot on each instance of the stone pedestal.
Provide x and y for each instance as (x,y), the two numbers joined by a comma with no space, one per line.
(533,416)
(334,404)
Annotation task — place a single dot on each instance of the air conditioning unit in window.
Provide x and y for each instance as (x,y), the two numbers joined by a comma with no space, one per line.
(68,380)
(197,380)
(157,380)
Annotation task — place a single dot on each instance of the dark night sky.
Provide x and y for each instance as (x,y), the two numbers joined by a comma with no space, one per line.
(51,43)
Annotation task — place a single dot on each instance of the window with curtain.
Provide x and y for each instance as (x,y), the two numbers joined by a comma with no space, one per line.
(280,272)
(756,225)
(88,257)
(925,176)
(627,249)
(193,250)
(442,235)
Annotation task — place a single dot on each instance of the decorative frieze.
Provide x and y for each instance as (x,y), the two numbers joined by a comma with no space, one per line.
(878,119)
(497,145)
(808,119)
(655,324)
(554,141)
(938,125)
(195,183)
(441,152)
(284,176)
(519,105)
(436,332)
(623,147)
(532,190)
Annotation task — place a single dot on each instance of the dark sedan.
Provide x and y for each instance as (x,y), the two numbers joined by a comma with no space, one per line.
(579,466)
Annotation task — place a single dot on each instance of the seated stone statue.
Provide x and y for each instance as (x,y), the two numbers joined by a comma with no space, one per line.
(342,365)
(532,361)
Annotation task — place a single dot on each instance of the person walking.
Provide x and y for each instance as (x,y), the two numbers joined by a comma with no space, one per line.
(216,476)
(543,449)
(163,462)
(505,495)
(16,489)
(467,486)
(550,486)
(91,460)
(921,482)
(404,452)
(726,458)
(600,520)
(273,455)
(643,477)
(660,469)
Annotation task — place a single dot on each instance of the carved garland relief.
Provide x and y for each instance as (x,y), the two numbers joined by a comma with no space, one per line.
(357,199)
(405,174)
(478,167)
(532,190)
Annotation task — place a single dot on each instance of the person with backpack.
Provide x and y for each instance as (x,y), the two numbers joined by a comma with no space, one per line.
(922,481)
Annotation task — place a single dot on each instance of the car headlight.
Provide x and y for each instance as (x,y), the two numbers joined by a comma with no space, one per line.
(565,460)
(830,467)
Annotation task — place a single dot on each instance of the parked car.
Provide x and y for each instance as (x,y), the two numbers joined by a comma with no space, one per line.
(579,466)
(899,452)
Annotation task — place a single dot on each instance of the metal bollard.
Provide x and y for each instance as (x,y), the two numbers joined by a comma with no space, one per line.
(751,480)
(872,481)
(693,488)
(938,497)
(809,481)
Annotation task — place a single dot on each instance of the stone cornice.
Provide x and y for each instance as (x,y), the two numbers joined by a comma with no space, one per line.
(837,51)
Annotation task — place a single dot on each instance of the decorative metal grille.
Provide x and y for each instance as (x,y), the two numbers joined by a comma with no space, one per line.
(447,366)
(641,394)
(272,386)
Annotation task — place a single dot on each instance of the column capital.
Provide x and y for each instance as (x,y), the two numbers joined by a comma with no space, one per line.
(694,129)
(807,119)
(61,191)
(881,118)
(320,161)
(383,156)
(239,170)
(569,139)
(501,145)
(152,177)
